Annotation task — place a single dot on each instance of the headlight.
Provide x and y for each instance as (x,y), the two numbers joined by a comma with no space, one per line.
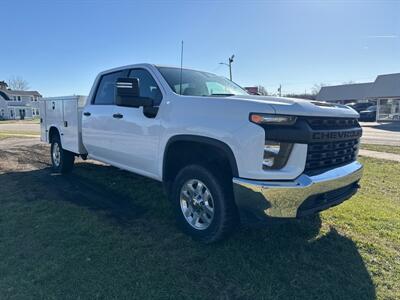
(276,154)
(272,119)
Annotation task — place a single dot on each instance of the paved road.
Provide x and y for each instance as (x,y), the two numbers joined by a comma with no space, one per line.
(384,134)
(19,127)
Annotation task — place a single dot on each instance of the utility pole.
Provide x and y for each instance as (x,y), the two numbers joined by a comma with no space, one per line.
(229,65)
(180,80)
(280,90)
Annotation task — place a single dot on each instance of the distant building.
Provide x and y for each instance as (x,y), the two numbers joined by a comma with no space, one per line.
(345,93)
(252,90)
(18,104)
(385,91)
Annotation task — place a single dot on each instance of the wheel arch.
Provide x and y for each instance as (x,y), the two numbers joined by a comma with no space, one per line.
(212,144)
(53,130)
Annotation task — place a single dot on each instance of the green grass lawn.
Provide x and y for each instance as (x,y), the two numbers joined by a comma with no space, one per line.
(102,233)
(381,148)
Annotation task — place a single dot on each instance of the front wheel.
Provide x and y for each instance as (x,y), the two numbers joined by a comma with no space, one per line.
(62,160)
(203,203)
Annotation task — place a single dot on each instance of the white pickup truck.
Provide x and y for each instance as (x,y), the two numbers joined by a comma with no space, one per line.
(225,157)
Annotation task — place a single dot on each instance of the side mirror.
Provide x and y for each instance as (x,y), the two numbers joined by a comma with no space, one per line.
(127,93)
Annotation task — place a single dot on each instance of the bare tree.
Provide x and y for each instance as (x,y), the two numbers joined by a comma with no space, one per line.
(262,90)
(316,88)
(17,83)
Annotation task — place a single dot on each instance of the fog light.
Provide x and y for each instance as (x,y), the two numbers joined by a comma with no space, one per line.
(268,162)
(271,150)
(276,154)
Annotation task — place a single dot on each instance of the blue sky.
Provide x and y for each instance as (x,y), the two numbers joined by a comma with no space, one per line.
(59,46)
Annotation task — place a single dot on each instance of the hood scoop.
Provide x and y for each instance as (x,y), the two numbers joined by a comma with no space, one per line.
(317,103)
(326,104)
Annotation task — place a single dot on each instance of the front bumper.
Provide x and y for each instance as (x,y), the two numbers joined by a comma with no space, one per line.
(261,200)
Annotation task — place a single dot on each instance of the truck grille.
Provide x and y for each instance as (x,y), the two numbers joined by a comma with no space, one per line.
(318,123)
(328,155)
(331,154)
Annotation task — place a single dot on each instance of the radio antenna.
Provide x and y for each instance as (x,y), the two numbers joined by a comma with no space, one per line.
(180,81)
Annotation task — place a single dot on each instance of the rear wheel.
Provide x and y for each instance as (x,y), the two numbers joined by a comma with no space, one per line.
(62,160)
(203,203)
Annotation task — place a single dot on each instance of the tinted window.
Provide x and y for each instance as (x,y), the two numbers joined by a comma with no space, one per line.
(214,88)
(147,85)
(198,83)
(106,90)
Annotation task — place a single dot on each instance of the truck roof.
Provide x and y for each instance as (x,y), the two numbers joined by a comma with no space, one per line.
(147,65)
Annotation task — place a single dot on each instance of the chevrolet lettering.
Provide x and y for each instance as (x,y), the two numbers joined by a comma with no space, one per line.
(337,135)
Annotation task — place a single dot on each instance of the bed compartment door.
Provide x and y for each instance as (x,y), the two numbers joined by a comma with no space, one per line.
(70,125)
(43,125)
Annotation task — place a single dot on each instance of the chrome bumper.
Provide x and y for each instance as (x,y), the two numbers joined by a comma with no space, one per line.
(282,199)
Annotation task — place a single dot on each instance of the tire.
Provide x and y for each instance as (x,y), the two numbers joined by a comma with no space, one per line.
(62,160)
(206,198)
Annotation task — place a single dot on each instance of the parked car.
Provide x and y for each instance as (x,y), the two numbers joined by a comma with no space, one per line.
(224,156)
(368,115)
(360,106)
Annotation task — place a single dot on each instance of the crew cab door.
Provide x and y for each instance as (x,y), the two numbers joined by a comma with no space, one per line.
(136,131)
(97,134)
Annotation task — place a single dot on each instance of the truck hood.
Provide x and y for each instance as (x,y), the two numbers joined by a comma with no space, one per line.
(300,107)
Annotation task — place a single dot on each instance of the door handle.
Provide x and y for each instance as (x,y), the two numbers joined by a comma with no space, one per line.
(86,113)
(118,116)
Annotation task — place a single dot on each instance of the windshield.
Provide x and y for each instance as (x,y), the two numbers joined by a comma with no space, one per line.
(197,83)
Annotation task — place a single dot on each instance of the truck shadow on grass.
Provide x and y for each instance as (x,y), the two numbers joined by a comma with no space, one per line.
(143,254)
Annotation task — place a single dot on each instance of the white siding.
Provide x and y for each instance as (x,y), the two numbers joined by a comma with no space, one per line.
(3,109)
(29,103)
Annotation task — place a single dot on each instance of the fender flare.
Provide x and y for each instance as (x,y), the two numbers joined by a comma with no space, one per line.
(49,131)
(203,140)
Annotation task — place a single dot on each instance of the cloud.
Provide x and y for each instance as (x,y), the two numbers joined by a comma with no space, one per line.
(383,36)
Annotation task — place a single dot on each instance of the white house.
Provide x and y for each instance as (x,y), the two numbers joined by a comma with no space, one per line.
(3,108)
(18,104)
